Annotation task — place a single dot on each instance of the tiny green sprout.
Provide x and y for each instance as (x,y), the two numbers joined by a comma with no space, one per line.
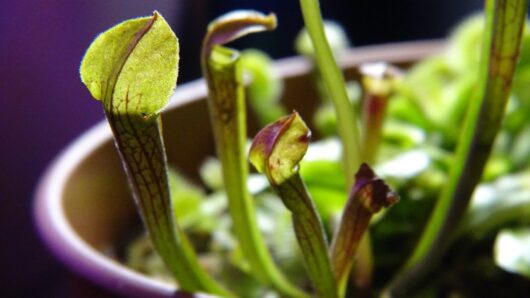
(276,151)
(368,196)
(334,83)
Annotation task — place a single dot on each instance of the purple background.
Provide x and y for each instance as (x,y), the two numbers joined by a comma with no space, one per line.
(44,105)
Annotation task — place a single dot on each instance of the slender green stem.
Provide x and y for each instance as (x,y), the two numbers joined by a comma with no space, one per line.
(123,69)
(504,25)
(141,148)
(334,83)
(310,234)
(226,102)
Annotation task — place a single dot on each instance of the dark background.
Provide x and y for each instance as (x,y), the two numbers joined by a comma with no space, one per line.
(44,105)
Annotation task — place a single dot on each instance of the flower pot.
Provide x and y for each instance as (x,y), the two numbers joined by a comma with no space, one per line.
(83,208)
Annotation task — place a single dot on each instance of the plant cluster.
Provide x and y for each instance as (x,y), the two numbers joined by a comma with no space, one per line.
(428,132)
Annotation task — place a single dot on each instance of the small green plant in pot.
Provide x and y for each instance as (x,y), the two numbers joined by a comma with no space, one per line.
(132,69)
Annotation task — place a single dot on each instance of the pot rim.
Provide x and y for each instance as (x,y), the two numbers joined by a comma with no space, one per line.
(79,256)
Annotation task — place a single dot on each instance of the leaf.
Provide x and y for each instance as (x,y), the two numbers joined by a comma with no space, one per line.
(186,199)
(333,79)
(132,69)
(507,199)
(278,148)
(512,251)
(133,64)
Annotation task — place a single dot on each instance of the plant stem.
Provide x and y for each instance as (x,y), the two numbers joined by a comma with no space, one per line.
(334,83)
(310,234)
(142,151)
(122,68)
(226,103)
(505,20)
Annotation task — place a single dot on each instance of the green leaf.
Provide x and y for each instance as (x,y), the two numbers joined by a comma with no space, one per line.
(132,69)
(278,148)
(334,83)
(186,198)
(512,251)
(325,182)
(133,66)
(505,200)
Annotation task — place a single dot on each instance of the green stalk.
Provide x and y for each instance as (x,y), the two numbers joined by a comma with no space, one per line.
(123,69)
(504,25)
(276,151)
(347,125)
(139,142)
(334,82)
(226,102)
(310,235)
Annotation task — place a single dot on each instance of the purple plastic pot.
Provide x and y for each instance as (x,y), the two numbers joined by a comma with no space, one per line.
(83,209)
